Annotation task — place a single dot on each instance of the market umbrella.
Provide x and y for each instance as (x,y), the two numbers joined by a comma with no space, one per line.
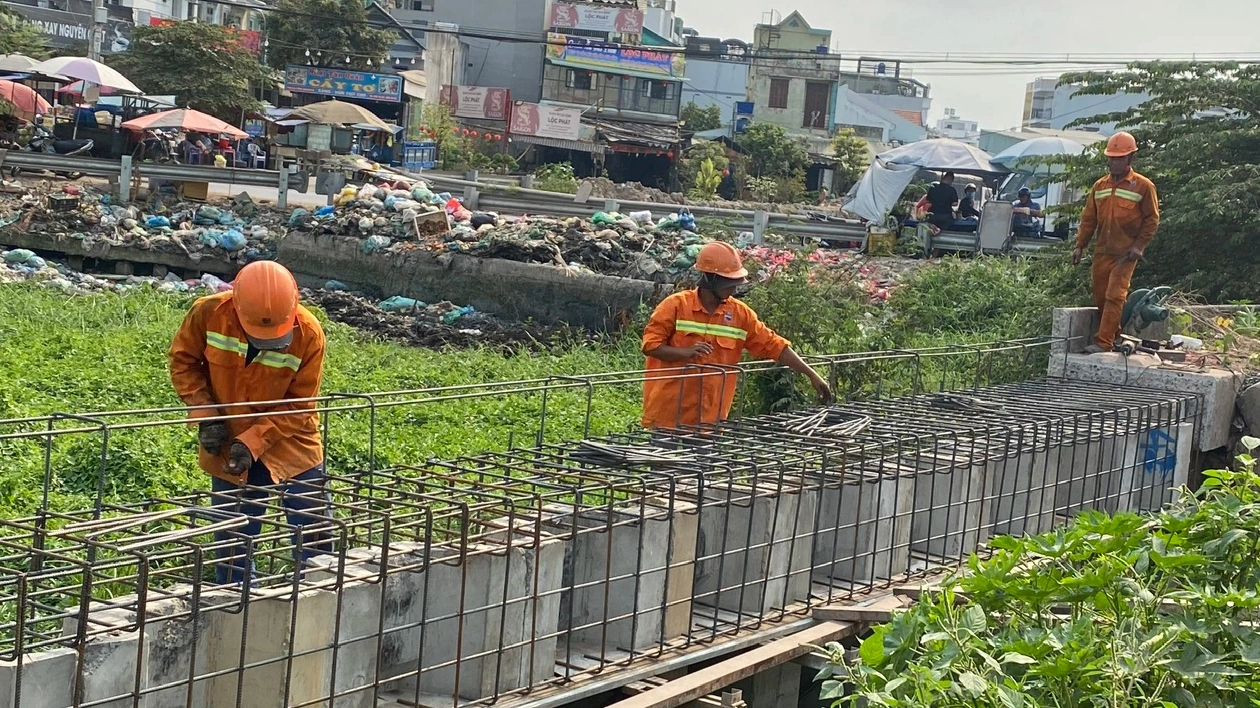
(186,119)
(1035,148)
(26,102)
(944,155)
(18,63)
(76,89)
(87,70)
(338,113)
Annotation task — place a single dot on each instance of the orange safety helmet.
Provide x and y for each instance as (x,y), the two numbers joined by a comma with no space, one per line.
(266,298)
(1120,145)
(721,259)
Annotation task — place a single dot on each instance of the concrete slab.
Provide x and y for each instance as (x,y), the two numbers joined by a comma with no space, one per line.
(1020,489)
(47,680)
(754,545)
(618,569)
(1249,408)
(864,525)
(1217,388)
(352,657)
(950,506)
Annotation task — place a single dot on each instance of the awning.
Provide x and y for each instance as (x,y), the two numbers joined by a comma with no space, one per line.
(415,83)
(579,145)
(649,134)
(616,72)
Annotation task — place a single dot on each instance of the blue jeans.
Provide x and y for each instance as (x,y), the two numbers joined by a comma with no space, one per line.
(305,501)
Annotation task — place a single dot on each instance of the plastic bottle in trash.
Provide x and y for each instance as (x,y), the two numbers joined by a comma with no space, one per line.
(1187,343)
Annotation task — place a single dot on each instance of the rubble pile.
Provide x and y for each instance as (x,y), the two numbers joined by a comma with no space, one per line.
(238,230)
(20,264)
(443,324)
(604,188)
(878,276)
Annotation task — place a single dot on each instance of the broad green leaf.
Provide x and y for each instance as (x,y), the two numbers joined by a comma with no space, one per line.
(1010,697)
(1012,657)
(831,690)
(872,650)
(934,637)
(973,620)
(1250,652)
(892,686)
(975,685)
(1250,442)
(988,659)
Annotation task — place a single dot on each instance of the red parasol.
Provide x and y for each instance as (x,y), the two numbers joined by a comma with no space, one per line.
(186,119)
(27,103)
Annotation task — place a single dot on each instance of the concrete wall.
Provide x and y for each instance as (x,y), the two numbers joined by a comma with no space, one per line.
(516,65)
(716,83)
(516,290)
(799,73)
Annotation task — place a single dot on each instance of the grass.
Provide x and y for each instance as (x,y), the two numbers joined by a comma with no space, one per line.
(108,352)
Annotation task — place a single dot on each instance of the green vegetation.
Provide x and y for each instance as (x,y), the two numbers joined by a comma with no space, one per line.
(708,178)
(215,70)
(695,156)
(773,155)
(853,156)
(1120,611)
(335,33)
(697,120)
(556,177)
(17,36)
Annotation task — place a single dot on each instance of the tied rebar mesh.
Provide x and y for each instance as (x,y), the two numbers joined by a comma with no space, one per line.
(506,576)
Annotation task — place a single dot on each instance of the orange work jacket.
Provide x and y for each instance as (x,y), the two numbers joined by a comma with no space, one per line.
(704,397)
(207,360)
(1123,213)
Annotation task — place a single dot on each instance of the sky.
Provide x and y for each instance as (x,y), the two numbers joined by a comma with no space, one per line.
(994,95)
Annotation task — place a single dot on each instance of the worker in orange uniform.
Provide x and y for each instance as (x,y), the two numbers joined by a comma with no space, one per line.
(1122,210)
(234,351)
(702,329)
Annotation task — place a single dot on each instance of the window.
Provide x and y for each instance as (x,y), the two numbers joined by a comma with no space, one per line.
(658,89)
(579,80)
(817,97)
(422,5)
(778,93)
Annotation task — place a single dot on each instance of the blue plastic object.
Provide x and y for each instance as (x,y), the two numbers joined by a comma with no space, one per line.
(399,303)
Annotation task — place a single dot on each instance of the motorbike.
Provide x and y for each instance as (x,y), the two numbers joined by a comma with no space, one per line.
(45,142)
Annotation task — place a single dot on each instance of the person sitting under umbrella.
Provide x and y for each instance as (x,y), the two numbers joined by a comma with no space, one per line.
(1026,220)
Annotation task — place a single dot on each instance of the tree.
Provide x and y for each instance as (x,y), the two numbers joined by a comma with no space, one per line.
(17,36)
(696,119)
(772,153)
(203,65)
(1199,136)
(853,156)
(331,30)
(694,156)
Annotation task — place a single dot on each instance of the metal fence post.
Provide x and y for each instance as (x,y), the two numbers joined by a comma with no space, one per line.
(472,196)
(761,219)
(611,206)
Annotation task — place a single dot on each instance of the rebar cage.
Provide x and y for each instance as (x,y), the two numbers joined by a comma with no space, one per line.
(513,576)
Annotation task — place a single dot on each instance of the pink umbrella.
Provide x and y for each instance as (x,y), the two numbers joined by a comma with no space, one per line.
(76,89)
(186,119)
(25,100)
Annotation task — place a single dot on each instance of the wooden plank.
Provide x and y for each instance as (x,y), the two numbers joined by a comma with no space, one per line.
(722,674)
(869,615)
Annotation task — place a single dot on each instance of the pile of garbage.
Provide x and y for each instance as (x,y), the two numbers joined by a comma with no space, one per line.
(20,264)
(394,218)
(411,322)
(238,230)
(604,188)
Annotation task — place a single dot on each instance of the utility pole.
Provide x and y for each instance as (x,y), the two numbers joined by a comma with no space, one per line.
(100,16)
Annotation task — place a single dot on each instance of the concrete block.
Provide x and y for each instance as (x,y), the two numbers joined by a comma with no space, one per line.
(1073,329)
(1078,485)
(754,545)
(1217,388)
(1164,457)
(110,668)
(352,657)
(864,526)
(950,506)
(475,626)
(280,635)
(1020,490)
(618,568)
(47,680)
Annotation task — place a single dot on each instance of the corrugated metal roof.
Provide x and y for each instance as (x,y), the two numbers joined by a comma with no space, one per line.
(649,134)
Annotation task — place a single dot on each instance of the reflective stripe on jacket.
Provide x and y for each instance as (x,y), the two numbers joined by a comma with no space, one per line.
(704,398)
(1121,213)
(207,362)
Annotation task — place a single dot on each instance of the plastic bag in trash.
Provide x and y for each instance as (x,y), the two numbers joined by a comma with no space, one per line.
(158,222)
(367,191)
(324,211)
(296,217)
(366,224)
(232,240)
(207,215)
(212,281)
(209,237)
(399,303)
(36,262)
(604,219)
(481,219)
(372,244)
(18,255)
(452,315)
(336,285)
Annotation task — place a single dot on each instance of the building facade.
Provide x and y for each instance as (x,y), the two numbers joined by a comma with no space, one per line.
(717,75)
(1050,105)
(964,131)
(793,78)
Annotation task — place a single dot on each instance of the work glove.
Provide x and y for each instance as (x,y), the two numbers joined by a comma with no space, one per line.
(240,459)
(213,435)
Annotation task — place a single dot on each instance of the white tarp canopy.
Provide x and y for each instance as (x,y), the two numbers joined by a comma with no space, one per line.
(945,155)
(874,196)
